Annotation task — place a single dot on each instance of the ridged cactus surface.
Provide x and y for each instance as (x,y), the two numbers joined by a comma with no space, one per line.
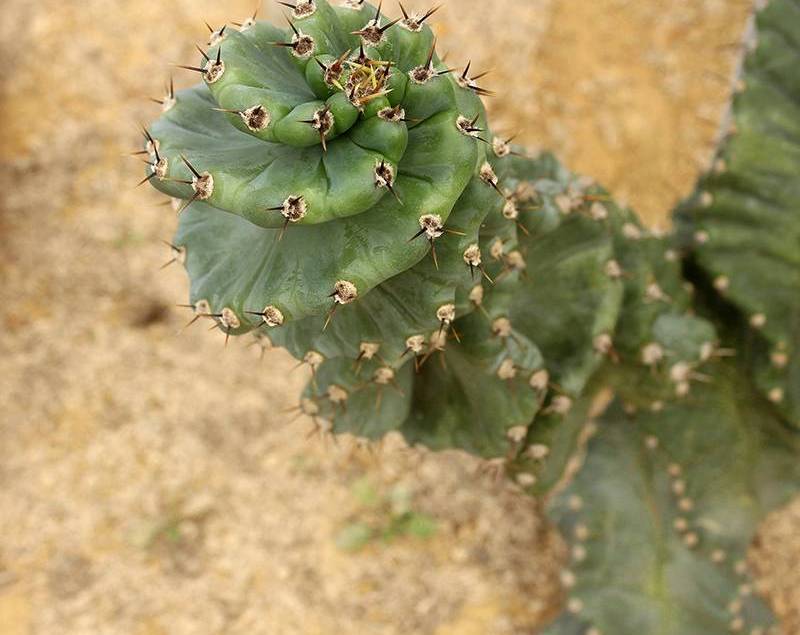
(743,223)
(664,509)
(314,202)
(661,515)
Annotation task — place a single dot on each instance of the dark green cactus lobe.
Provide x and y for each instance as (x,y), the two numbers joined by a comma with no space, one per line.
(661,515)
(743,223)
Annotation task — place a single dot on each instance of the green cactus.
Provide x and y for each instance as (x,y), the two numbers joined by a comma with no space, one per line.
(341,195)
(743,223)
(662,513)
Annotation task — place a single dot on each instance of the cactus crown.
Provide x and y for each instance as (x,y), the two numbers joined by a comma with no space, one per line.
(335,139)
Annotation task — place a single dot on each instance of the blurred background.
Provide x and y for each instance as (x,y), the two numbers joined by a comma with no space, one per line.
(157,483)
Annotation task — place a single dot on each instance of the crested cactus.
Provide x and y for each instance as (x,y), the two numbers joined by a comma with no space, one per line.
(341,195)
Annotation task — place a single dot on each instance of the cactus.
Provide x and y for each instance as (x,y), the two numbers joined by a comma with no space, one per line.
(743,222)
(341,195)
(666,505)
(662,513)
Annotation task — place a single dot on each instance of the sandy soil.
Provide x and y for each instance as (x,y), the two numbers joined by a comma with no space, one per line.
(156,483)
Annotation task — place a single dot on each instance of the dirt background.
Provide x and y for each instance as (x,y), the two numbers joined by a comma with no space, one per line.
(154,483)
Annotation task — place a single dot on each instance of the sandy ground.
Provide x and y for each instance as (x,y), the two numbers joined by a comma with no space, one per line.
(154,483)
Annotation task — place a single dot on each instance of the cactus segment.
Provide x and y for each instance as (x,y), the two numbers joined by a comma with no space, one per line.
(742,225)
(253,178)
(550,453)
(662,513)
(567,301)
(563,299)
(406,305)
(469,395)
(367,399)
(476,395)
(326,156)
